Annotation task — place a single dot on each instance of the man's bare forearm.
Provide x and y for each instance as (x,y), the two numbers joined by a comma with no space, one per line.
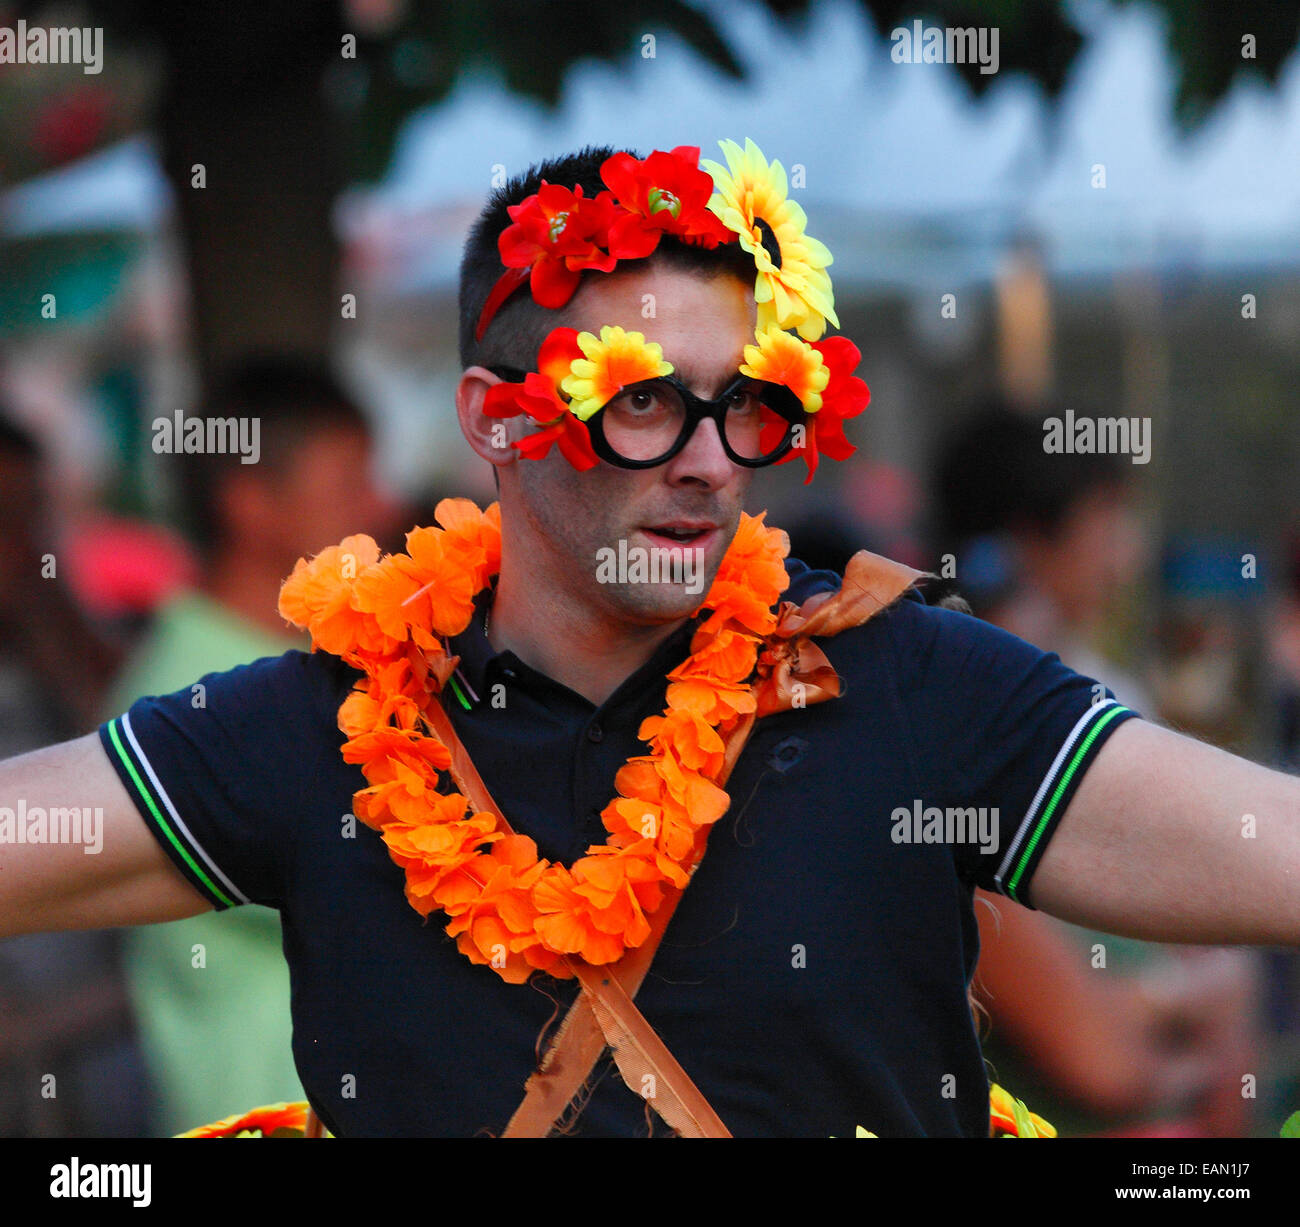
(1171,840)
(74,853)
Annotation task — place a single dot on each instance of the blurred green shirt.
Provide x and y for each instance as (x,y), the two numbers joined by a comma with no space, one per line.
(211,993)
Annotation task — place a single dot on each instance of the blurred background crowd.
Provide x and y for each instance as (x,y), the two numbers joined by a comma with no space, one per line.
(256,211)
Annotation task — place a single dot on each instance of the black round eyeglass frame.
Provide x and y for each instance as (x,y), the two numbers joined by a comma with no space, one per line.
(774,396)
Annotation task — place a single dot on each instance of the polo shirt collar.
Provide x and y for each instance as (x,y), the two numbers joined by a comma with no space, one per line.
(481,665)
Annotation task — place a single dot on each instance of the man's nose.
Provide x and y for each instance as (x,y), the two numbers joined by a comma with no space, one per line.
(703,459)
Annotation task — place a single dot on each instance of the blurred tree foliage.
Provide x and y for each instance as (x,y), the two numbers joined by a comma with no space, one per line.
(411,52)
(267,96)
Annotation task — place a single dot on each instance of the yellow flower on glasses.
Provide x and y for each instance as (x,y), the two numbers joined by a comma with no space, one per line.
(793,289)
(611,363)
(780,357)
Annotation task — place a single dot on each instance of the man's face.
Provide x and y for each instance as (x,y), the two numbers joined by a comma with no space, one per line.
(578,520)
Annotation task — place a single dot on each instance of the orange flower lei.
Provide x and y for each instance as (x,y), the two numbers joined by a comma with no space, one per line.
(390,617)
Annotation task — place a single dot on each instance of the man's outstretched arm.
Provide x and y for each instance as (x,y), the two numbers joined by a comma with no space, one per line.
(1171,840)
(47,886)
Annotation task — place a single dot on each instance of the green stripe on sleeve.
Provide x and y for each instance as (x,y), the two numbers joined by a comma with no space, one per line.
(1066,776)
(160,821)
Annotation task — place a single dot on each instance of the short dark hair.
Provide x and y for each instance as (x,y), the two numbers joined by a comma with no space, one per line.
(520,326)
(292,398)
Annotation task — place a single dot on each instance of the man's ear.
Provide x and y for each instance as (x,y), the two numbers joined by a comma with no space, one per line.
(489,437)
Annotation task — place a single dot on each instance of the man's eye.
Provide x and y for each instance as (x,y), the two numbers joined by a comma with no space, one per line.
(743,401)
(637,402)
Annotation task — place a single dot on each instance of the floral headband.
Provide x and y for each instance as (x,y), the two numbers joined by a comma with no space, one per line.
(557,234)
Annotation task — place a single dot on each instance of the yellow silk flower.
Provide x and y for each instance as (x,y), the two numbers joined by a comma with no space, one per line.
(781,357)
(793,289)
(612,362)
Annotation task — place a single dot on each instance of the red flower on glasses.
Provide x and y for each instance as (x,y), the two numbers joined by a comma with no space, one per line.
(539,398)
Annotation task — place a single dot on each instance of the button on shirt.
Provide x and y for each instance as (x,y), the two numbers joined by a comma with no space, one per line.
(564,747)
(814,976)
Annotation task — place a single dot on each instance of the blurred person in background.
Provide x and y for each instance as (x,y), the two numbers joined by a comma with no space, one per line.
(1109,1034)
(212,992)
(1045,544)
(59,693)
(1284,656)
(69,1060)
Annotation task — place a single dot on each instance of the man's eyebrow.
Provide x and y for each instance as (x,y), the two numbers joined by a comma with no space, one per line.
(689,377)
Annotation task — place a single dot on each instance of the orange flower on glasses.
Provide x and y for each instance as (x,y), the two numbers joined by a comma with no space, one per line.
(781,357)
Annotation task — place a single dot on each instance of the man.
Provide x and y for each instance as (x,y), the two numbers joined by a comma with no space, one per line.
(814,976)
(212,993)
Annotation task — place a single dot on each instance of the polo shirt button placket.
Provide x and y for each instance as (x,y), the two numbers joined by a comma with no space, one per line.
(591,831)
(595,733)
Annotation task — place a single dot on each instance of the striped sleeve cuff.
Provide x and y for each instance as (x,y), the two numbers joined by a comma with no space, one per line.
(1053,796)
(161,816)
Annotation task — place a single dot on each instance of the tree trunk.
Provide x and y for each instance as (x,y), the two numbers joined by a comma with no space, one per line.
(253,152)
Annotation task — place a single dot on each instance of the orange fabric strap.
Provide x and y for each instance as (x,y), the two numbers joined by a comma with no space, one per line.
(793,671)
(637,1049)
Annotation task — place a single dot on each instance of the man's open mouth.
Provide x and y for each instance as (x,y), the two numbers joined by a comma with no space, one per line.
(679,534)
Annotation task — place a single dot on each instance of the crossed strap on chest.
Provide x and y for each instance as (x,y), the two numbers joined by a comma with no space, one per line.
(792,672)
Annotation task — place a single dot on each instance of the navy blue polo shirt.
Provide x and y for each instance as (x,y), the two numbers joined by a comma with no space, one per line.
(814,977)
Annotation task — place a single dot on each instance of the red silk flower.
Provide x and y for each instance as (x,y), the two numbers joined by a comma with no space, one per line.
(538,397)
(556,234)
(666,193)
